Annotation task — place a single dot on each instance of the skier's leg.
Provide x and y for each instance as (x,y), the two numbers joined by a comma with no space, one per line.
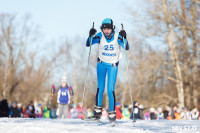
(65,110)
(112,76)
(60,107)
(101,76)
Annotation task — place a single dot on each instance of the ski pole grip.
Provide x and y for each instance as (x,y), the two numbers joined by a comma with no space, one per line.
(122,26)
(93,25)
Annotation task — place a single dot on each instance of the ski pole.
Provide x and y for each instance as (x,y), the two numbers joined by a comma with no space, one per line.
(87,72)
(128,76)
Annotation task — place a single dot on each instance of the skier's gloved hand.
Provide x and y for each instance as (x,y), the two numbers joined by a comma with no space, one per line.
(52,88)
(92,32)
(123,33)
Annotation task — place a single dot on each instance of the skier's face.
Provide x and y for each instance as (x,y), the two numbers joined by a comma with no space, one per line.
(107,31)
(64,84)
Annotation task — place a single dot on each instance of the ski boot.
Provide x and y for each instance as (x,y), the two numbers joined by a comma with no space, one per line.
(97,112)
(112,118)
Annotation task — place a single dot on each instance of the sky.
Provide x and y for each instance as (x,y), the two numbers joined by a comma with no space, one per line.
(71,18)
(58,19)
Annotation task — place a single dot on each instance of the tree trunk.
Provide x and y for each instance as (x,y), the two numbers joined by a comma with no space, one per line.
(195,72)
(185,55)
(177,69)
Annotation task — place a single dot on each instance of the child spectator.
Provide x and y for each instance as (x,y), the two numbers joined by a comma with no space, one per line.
(118,111)
(38,111)
(30,110)
(89,113)
(160,114)
(125,113)
(73,112)
(104,115)
(46,113)
(178,114)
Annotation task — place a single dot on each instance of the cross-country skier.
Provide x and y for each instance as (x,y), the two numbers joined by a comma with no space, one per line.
(109,43)
(64,92)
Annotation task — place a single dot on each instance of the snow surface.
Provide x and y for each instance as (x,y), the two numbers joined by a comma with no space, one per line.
(26,125)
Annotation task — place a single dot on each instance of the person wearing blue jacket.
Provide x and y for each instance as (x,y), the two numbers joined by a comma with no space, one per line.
(63,99)
(109,42)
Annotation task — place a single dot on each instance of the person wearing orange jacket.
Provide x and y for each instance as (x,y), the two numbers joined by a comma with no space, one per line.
(178,115)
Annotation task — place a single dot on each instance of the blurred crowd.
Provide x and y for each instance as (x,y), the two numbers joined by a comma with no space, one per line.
(137,111)
(124,112)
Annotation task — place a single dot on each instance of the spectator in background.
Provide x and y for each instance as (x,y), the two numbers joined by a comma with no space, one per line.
(81,115)
(125,113)
(104,115)
(195,114)
(118,111)
(73,112)
(135,111)
(25,115)
(160,114)
(46,110)
(20,110)
(185,114)
(64,92)
(153,115)
(4,108)
(53,112)
(173,111)
(14,110)
(89,113)
(141,112)
(30,110)
(147,115)
(178,114)
(166,112)
(38,111)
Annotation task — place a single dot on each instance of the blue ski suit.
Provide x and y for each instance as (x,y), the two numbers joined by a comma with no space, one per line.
(107,65)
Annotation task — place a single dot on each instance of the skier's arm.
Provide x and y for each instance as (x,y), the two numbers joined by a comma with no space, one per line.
(121,42)
(71,91)
(54,90)
(96,39)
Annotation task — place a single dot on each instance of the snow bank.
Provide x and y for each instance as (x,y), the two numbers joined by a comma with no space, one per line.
(24,125)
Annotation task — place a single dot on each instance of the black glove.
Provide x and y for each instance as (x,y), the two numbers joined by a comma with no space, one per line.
(92,32)
(123,33)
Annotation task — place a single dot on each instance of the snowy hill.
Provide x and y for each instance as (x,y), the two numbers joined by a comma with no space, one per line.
(23,125)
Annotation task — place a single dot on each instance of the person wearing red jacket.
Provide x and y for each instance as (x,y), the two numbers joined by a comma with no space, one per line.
(118,111)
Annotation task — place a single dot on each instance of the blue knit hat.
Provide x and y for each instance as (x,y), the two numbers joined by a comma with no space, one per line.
(107,23)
